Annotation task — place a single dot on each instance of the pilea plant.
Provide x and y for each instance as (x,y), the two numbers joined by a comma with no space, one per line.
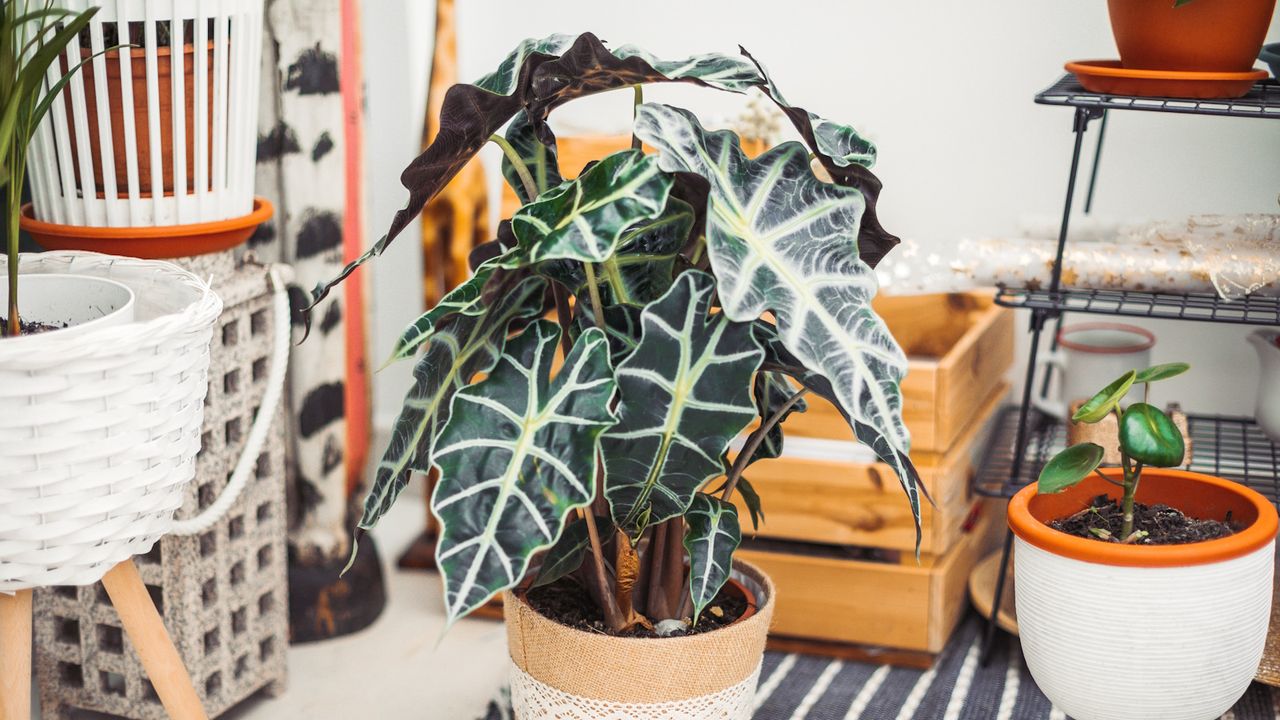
(696,291)
(1146,437)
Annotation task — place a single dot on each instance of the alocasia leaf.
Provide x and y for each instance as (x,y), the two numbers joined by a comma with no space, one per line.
(782,241)
(461,346)
(713,534)
(540,159)
(622,325)
(519,452)
(533,79)
(771,392)
(684,397)
(464,299)
(566,555)
(584,219)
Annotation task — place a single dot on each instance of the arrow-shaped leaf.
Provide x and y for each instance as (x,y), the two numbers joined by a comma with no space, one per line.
(464,299)
(540,159)
(712,536)
(685,394)
(566,555)
(772,391)
(519,452)
(461,346)
(782,241)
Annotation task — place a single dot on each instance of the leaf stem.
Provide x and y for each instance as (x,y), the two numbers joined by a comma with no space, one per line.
(564,316)
(597,309)
(754,440)
(14,198)
(637,100)
(526,179)
(609,604)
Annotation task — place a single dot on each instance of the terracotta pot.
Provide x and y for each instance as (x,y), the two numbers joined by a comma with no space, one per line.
(1203,35)
(1173,632)
(568,674)
(142,117)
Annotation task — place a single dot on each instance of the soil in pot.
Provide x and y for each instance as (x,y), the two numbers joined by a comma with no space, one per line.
(29,328)
(1103,521)
(569,603)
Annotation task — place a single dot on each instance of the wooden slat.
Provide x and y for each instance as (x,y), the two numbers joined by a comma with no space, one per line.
(862,504)
(876,603)
(15,655)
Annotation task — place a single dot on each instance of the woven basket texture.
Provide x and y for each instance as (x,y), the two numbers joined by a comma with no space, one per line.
(99,430)
(223,592)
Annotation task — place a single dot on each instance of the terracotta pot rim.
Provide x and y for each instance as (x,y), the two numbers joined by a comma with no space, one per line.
(262,210)
(753,609)
(1113,68)
(1255,536)
(1120,350)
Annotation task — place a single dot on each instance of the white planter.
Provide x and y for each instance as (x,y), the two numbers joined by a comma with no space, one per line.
(100,426)
(1170,632)
(78,302)
(146,136)
(562,673)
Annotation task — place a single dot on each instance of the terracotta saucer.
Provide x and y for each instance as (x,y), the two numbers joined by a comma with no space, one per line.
(149,243)
(1111,78)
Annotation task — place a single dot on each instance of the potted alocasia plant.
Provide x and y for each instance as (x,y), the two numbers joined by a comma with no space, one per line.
(584,463)
(1141,591)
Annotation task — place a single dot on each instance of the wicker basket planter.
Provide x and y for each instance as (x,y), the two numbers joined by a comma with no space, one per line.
(562,673)
(221,589)
(1144,631)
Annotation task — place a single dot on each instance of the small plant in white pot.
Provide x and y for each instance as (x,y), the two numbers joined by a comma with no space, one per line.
(1142,592)
(691,288)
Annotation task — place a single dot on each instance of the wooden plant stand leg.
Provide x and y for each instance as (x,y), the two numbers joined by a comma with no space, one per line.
(15,656)
(155,649)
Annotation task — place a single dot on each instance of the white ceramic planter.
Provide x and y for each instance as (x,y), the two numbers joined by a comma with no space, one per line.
(78,302)
(1170,632)
(561,673)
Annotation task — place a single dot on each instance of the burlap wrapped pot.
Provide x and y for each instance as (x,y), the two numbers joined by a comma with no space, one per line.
(568,674)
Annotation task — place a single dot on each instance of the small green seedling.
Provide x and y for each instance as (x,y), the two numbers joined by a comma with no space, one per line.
(1147,437)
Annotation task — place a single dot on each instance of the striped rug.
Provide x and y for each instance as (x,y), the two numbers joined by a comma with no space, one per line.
(957,687)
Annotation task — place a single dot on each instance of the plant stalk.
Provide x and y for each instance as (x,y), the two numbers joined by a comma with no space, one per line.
(597,310)
(657,551)
(753,442)
(673,568)
(564,316)
(637,101)
(608,604)
(522,170)
(14,198)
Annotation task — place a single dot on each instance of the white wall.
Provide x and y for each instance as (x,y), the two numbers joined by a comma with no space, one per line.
(944,87)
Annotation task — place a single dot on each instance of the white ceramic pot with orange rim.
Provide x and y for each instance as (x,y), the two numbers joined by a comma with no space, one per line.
(1090,356)
(1159,632)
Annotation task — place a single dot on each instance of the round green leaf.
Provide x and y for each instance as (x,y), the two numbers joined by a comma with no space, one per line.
(1102,403)
(1161,372)
(1070,467)
(1150,437)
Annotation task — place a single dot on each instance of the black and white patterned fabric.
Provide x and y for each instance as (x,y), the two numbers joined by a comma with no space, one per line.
(957,687)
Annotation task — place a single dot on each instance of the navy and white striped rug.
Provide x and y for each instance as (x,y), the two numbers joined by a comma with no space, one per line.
(957,687)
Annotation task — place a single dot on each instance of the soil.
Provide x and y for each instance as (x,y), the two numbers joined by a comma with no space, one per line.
(1164,525)
(568,603)
(28,328)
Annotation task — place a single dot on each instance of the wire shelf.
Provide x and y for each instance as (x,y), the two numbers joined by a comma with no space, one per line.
(1263,101)
(1229,447)
(1205,307)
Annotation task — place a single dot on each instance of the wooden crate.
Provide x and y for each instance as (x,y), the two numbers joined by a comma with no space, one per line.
(958,345)
(841,502)
(826,597)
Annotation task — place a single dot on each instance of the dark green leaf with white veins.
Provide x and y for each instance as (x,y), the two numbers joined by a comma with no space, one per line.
(567,554)
(781,240)
(1150,437)
(772,391)
(584,219)
(463,299)
(685,394)
(712,536)
(462,346)
(622,326)
(542,162)
(520,451)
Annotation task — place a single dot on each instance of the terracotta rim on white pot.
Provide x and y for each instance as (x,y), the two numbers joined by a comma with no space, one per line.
(1173,632)
(564,672)
(80,302)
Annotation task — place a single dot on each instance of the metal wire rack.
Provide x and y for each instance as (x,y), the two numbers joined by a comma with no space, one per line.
(1229,447)
(1206,307)
(1262,101)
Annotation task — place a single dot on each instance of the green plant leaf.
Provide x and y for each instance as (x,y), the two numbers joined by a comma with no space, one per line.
(1150,437)
(540,159)
(1070,467)
(1108,398)
(520,452)
(1161,372)
(713,534)
(464,299)
(622,326)
(462,346)
(771,391)
(567,554)
(749,496)
(782,241)
(685,394)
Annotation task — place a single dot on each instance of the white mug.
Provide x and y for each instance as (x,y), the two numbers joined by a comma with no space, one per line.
(1089,357)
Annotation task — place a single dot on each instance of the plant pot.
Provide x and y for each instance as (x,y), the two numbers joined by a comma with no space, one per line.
(1203,35)
(1173,632)
(77,303)
(100,426)
(115,100)
(561,673)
